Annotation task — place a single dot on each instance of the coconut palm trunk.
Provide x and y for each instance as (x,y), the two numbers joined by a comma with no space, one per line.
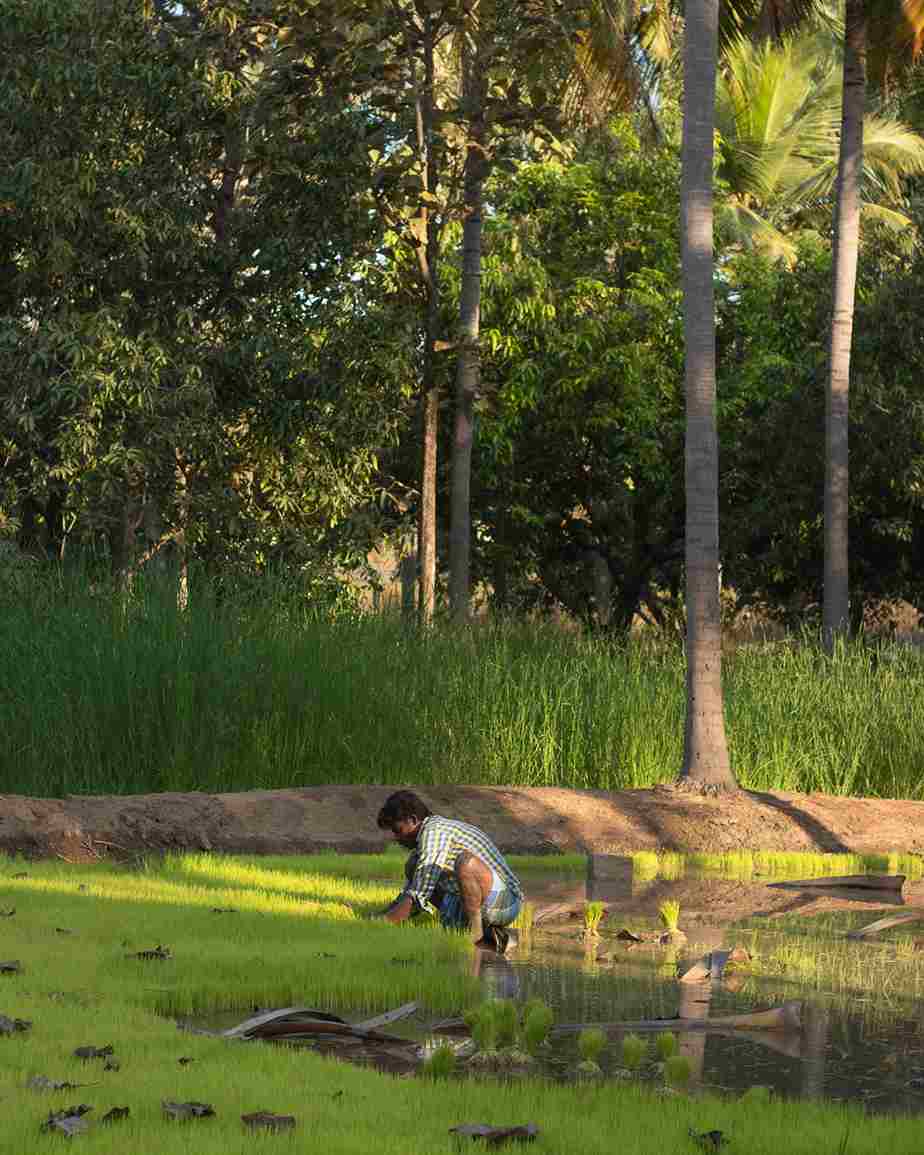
(705,759)
(846,246)
(430,392)
(468,372)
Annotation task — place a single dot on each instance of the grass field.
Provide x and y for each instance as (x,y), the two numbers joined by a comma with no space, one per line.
(81,989)
(98,698)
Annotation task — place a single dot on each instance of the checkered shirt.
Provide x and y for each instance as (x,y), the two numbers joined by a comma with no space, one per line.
(440,841)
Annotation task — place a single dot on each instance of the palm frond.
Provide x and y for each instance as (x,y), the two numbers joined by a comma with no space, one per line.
(737,225)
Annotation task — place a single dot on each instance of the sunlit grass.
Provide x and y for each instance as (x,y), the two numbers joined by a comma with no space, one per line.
(285,939)
(777,865)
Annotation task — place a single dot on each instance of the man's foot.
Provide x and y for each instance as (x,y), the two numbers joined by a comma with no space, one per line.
(495,938)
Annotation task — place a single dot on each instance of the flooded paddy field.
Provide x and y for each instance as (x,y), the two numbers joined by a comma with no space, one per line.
(825,1002)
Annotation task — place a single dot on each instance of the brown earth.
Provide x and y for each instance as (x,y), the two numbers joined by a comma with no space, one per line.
(523,820)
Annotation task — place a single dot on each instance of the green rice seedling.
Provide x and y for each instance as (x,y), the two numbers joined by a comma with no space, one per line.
(537,1022)
(677,1071)
(669,914)
(482,1021)
(757,1094)
(593,914)
(440,1063)
(634,1050)
(508,1022)
(665,1045)
(591,1042)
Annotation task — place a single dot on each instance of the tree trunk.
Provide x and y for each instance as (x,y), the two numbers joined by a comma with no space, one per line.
(468,371)
(705,760)
(180,538)
(846,244)
(430,393)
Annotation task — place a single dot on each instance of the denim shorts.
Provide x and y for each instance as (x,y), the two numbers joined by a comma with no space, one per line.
(500,908)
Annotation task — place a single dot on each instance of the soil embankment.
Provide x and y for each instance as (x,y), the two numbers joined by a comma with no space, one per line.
(521,820)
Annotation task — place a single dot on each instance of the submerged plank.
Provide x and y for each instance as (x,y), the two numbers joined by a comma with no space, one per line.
(787,1017)
(395,1016)
(884,923)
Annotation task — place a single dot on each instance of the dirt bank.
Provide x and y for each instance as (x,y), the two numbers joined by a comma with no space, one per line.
(521,820)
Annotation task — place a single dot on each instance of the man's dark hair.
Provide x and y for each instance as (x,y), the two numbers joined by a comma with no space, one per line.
(400,805)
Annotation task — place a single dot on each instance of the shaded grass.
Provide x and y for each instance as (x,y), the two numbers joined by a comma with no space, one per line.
(94,698)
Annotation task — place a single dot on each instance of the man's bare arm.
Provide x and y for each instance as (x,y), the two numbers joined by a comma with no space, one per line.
(400,910)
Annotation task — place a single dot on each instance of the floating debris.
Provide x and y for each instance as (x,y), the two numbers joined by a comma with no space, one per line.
(158,952)
(709,1140)
(13,967)
(190,1110)
(69,1120)
(494,1136)
(115,1114)
(185,1060)
(8,913)
(12,1026)
(94,1052)
(43,1083)
(62,930)
(268,1120)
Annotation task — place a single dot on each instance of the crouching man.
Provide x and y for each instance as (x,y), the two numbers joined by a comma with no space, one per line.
(455,872)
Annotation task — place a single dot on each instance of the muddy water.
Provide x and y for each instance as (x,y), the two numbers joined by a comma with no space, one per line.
(865,1049)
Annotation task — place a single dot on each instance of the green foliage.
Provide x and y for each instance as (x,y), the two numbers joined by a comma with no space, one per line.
(634,1050)
(665,1045)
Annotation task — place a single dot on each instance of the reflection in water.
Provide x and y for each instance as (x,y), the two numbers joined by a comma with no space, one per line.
(861,1050)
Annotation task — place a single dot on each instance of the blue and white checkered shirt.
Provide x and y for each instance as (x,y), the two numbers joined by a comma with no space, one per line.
(440,841)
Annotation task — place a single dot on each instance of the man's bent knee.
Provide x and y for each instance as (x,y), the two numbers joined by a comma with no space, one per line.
(472,870)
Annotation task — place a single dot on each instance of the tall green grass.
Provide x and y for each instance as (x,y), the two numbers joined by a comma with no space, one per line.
(97,696)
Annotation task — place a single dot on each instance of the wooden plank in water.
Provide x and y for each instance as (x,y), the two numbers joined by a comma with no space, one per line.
(293,1013)
(857,881)
(787,1017)
(402,1012)
(885,923)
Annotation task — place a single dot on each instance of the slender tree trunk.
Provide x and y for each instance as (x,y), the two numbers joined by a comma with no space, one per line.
(846,245)
(430,393)
(468,372)
(180,538)
(705,759)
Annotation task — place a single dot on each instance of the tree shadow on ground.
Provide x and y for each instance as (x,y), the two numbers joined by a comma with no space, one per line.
(824,839)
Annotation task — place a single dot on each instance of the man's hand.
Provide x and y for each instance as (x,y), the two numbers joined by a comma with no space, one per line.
(400,910)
